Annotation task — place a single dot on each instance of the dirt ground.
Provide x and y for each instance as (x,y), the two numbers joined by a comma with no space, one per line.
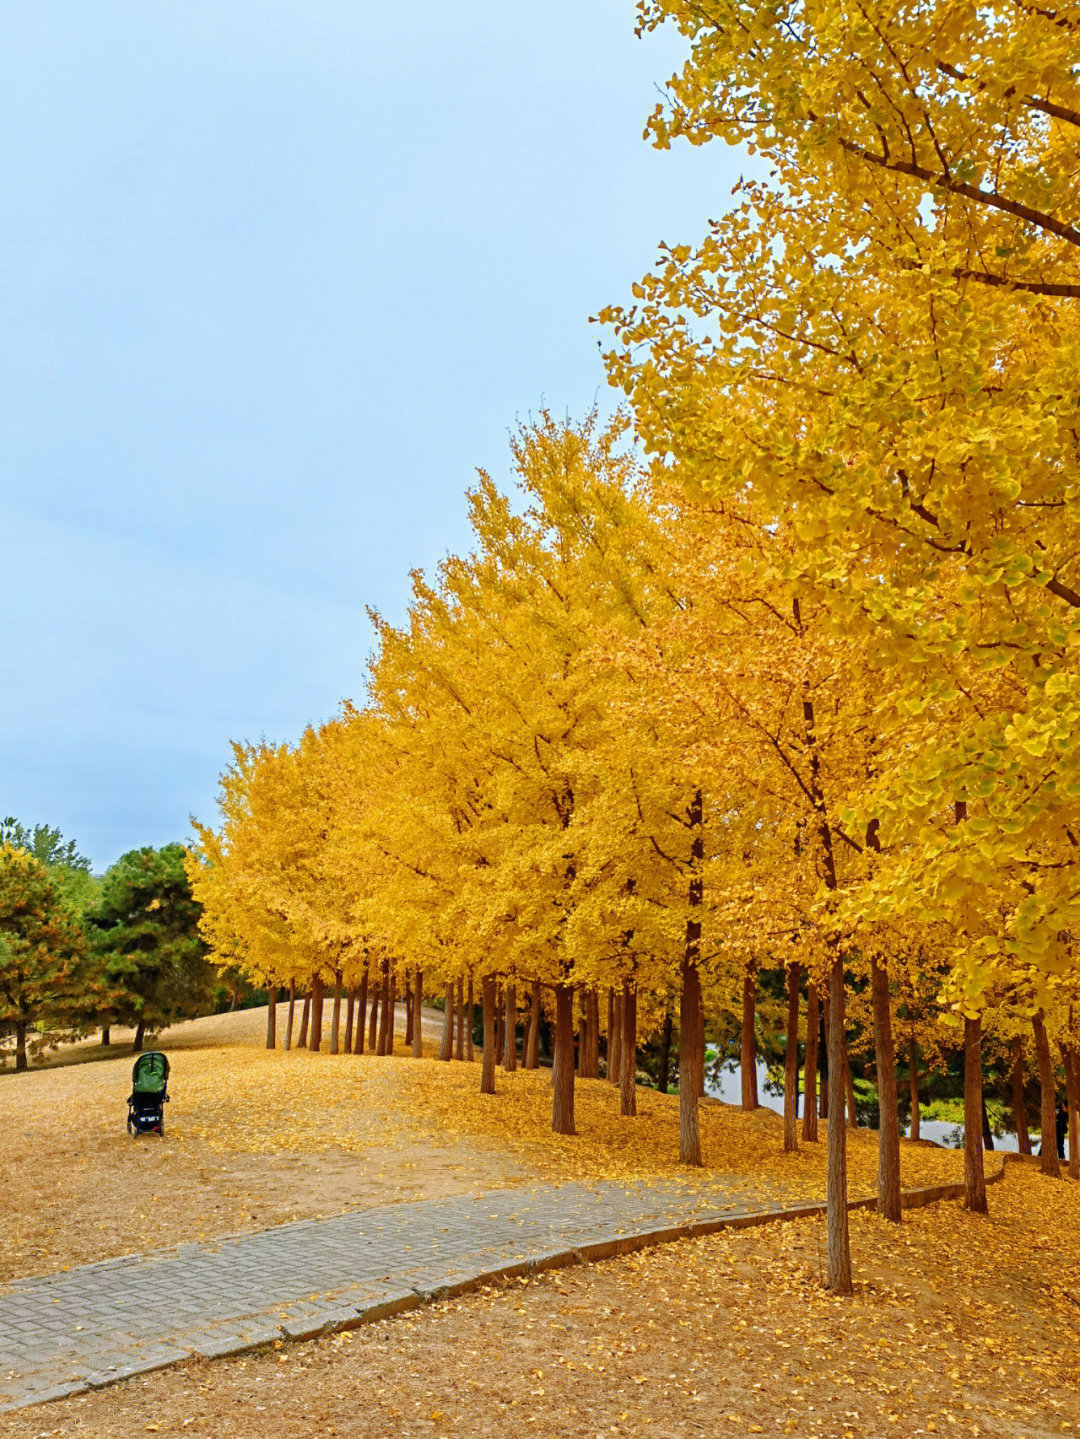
(960,1326)
(255,1138)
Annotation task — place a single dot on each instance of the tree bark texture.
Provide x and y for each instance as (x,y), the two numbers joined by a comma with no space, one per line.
(615,1043)
(361,1014)
(913,1086)
(20,1045)
(382,1046)
(823,1057)
(373,1019)
(1048,1084)
(510,1030)
(487,1068)
(532,1056)
(271,1018)
(1072,1093)
(791,1062)
(974,1177)
(810,1064)
(1019,1104)
(305,1019)
(392,1007)
(691,1016)
(292,1010)
(748,1047)
(105,1038)
(838,1248)
(469,1021)
(460,1050)
(609,1033)
(315,1033)
(888,1191)
(408,1009)
(350,1007)
(335,1017)
(562,1077)
(446,1046)
(628,1090)
(136,1043)
(417,1040)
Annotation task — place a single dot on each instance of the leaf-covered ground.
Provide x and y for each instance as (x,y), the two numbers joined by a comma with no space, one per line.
(255,1138)
(959,1326)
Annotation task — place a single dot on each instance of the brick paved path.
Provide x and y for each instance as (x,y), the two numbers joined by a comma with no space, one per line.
(91,1326)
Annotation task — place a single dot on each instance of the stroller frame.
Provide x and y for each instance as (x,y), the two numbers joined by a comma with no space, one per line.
(149,1094)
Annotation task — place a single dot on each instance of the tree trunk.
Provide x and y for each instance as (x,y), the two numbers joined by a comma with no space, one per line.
(849,1090)
(469,1021)
(335,1018)
(20,1043)
(487,1068)
(562,1095)
(838,1248)
(417,1039)
(628,1093)
(974,1177)
(1019,1105)
(315,1033)
(498,1023)
(532,1058)
(791,1062)
(583,1036)
(373,1018)
(510,1030)
(391,1004)
(1048,1085)
(408,1009)
(460,1051)
(446,1045)
(105,1040)
(271,1018)
(691,1017)
(594,1034)
(350,1010)
(748,1047)
(913,1086)
(810,1064)
(609,1037)
(615,1043)
(888,1182)
(1072,1093)
(361,1014)
(382,1046)
(664,1066)
(292,1011)
(987,1132)
(823,1057)
(305,1019)
(136,1043)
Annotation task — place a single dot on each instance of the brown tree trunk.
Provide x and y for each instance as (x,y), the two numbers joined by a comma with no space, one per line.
(408,1008)
(136,1043)
(392,1007)
(849,1091)
(20,1043)
(105,1039)
(609,1033)
(498,1023)
(446,1046)
(271,1018)
(615,1043)
(748,1047)
(487,1068)
(1072,1094)
(583,1036)
(469,1021)
(305,1020)
(350,1007)
(292,1010)
(913,1086)
(315,1033)
(335,1017)
(888,1191)
(373,1018)
(663,1070)
(810,1064)
(382,1046)
(510,1030)
(974,1176)
(532,1058)
(1019,1105)
(417,1040)
(361,1014)
(593,1002)
(838,1248)
(791,1062)
(460,1051)
(1048,1085)
(562,1086)
(824,1059)
(691,1016)
(628,1092)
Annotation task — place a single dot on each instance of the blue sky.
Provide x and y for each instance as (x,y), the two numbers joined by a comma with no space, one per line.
(276,279)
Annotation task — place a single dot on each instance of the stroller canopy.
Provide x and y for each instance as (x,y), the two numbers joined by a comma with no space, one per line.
(150,1073)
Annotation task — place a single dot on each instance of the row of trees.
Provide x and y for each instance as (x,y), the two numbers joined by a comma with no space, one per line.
(78,952)
(795,696)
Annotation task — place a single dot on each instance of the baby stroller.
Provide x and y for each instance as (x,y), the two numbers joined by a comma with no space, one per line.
(149,1094)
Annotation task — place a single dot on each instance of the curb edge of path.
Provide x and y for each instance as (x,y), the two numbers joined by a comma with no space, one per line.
(247,1336)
